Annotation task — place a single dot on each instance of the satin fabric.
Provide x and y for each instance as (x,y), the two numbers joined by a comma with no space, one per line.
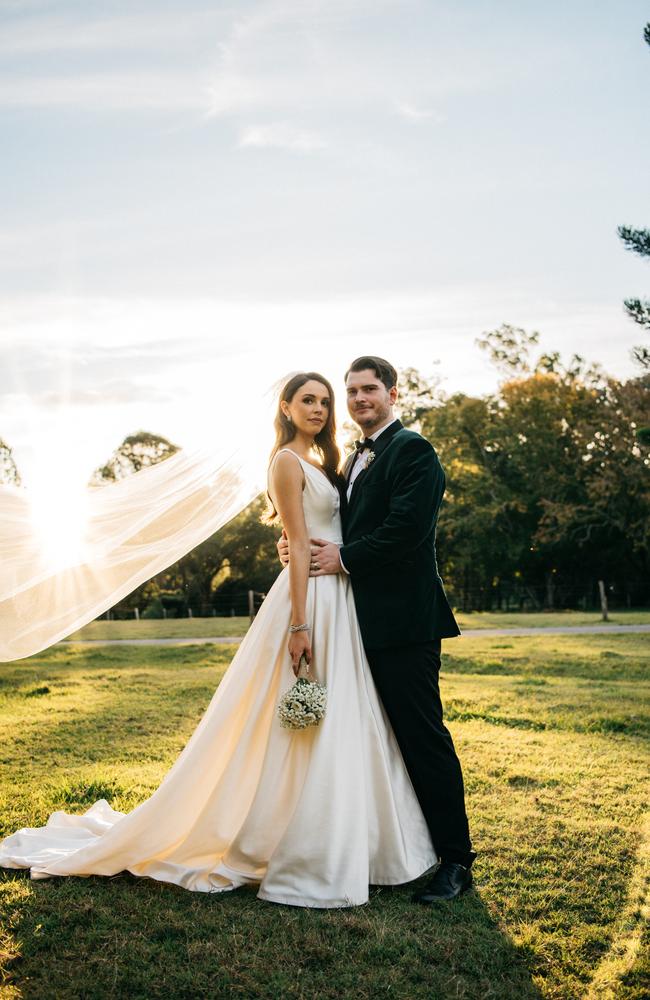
(310,817)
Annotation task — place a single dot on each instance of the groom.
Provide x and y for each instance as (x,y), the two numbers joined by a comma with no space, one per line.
(394,487)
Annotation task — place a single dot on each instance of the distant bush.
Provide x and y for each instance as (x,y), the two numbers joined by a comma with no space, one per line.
(154,609)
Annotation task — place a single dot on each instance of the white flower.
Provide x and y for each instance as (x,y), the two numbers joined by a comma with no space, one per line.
(370,457)
(302,705)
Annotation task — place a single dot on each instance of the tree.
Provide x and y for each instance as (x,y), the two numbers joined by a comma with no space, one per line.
(475,541)
(241,554)
(416,395)
(510,350)
(250,547)
(136,452)
(609,519)
(8,470)
(239,557)
(506,457)
(547,480)
(638,240)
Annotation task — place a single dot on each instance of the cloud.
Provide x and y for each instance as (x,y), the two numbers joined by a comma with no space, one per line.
(40,33)
(113,392)
(416,114)
(282,58)
(275,57)
(138,91)
(281,135)
(153,59)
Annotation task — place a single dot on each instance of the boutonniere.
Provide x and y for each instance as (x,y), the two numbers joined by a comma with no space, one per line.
(370,457)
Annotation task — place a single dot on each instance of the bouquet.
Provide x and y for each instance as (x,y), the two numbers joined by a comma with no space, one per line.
(303,704)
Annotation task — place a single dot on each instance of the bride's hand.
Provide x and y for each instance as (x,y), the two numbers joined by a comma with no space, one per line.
(299,645)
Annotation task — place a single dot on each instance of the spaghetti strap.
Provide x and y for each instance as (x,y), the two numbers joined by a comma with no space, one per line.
(279,452)
(304,463)
(291,452)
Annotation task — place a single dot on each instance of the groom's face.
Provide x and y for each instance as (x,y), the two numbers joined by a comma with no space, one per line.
(370,403)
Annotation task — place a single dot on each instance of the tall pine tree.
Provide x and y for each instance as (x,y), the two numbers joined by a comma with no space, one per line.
(638,240)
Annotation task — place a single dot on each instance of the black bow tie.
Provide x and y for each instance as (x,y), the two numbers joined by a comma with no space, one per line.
(366,443)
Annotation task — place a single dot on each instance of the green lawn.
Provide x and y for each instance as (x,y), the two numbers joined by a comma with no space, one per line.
(199,628)
(158,628)
(541,619)
(551,731)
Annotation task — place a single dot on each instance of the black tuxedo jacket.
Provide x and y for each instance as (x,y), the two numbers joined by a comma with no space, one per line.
(389,527)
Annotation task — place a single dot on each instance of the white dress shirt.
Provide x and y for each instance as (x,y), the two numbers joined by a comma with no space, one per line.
(362,457)
(360,464)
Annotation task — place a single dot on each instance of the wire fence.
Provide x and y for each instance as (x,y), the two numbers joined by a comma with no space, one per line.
(502,597)
(550,596)
(240,604)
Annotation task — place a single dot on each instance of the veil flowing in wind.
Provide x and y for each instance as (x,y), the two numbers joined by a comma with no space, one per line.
(127,532)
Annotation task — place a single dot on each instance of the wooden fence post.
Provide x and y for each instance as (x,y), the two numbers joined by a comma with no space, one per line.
(603,601)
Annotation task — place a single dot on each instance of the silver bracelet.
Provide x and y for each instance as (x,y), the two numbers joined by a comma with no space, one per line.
(300,628)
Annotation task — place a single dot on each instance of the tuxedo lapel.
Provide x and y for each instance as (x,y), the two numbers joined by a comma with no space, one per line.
(386,436)
(380,445)
(343,484)
(347,466)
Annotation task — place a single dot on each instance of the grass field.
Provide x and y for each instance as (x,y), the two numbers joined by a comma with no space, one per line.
(198,628)
(552,733)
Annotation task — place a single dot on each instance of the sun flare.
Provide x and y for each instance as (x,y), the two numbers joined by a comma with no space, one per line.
(59,515)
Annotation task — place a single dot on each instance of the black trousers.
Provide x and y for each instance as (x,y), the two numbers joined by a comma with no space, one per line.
(407,679)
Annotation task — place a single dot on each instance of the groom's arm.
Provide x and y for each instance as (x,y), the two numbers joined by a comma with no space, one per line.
(416,494)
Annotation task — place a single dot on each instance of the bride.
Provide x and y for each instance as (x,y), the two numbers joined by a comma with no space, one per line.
(311,817)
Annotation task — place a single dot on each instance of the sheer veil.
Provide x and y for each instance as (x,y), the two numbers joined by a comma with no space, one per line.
(127,532)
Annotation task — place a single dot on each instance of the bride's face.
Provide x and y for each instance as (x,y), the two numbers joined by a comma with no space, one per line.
(309,409)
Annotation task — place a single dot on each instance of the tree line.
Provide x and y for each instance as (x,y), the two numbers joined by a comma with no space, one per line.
(548,485)
(548,491)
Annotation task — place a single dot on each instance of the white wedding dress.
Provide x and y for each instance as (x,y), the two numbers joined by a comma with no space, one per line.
(311,817)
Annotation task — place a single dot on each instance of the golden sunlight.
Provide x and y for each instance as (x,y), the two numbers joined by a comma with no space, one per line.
(59,513)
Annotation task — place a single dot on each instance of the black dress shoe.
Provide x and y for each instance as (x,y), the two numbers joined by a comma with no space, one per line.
(449,882)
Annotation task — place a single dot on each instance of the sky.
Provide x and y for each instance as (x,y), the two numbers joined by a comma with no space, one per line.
(197,198)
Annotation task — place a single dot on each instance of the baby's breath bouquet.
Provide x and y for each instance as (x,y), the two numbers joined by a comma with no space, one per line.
(303,704)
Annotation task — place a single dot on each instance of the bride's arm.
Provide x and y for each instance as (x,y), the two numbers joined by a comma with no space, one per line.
(287,481)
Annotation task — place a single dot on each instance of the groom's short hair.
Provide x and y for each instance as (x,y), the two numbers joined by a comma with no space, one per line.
(383,369)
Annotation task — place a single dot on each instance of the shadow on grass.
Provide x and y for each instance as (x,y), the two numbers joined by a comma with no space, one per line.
(118,726)
(128,936)
(591,657)
(124,657)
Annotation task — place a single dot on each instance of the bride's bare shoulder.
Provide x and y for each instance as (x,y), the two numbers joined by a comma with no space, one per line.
(286,469)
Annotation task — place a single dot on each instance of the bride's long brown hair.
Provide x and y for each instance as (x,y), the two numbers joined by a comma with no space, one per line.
(324,442)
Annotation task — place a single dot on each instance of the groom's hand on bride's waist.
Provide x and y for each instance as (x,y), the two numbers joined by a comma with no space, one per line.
(325,558)
(282,546)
